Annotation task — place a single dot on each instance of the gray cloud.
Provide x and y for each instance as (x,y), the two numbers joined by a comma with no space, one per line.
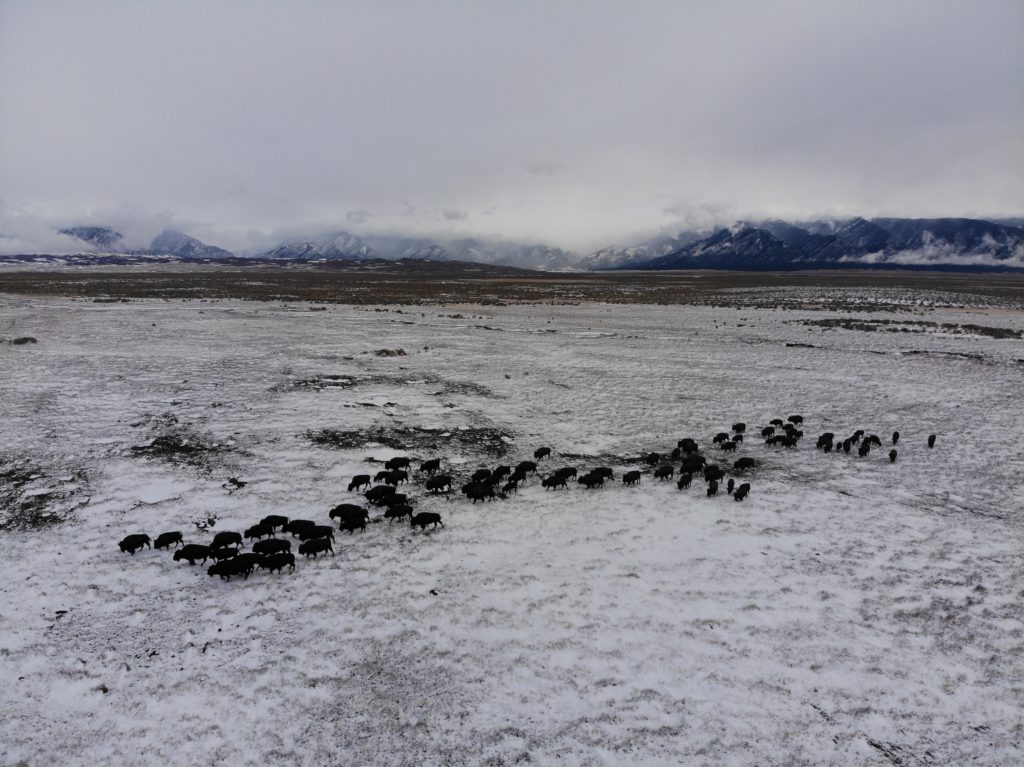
(454,215)
(626,117)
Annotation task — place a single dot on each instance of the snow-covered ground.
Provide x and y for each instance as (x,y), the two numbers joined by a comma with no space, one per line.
(850,611)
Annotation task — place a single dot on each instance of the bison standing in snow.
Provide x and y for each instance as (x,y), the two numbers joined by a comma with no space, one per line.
(132,543)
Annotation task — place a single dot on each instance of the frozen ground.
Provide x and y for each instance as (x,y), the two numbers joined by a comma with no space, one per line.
(849,612)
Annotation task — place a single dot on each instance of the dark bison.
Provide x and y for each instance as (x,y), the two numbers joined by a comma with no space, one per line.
(729,447)
(132,543)
(864,449)
(730,485)
(742,464)
(664,472)
(164,540)
(720,437)
(590,481)
(796,419)
(192,552)
(687,445)
(694,462)
(776,422)
(379,494)
(278,562)
(512,486)
(603,471)
(358,481)
(226,538)
(398,511)
(481,475)
(713,472)
(931,440)
(847,444)
(739,428)
(684,481)
(296,526)
(425,518)
(631,477)
(500,472)
(712,488)
(352,524)
(541,452)
(274,521)
(480,492)
(316,531)
(737,438)
(345,511)
(396,476)
(825,439)
(652,459)
(767,431)
(316,546)
(525,467)
(272,546)
(399,462)
(857,435)
(892,456)
(382,475)
(741,492)
(230,567)
(434,464)
(396,499)
(259,531)
(895,437)
(219,555)
(440,483)
(875,440)
(566,472)
(553,482)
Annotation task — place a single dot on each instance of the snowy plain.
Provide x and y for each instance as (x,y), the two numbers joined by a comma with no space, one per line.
(850,611)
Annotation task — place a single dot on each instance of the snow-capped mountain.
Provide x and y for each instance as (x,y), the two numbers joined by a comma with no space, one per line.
(334,245)
(174,243)
(622,257)
(881,242)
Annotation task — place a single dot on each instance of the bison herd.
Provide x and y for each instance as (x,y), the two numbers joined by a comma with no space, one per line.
(272,552)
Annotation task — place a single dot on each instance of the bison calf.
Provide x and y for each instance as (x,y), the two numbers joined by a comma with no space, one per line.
(132,543)
(685,480)
(631,477)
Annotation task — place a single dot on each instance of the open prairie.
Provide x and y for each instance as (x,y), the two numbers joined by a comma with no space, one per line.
(851,610)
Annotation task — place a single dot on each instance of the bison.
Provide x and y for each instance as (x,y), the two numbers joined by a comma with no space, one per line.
(229,567)
(278,562)
(352,524)
(358,481)
(730,485)
(501,472)
(895,437)
(378,494)
(684,480)
(259,531)
(742,464)
(480,492)
(713,472)
(223,553)
(720,438)
(316,531)
(481,475)
(226,538)
(295,526)
(892,456)
(603,471)
(512,486)
(694,462)
(931,440)
(767,431)
(192,552)
(425,518)
(567,472)
(590,481)
(274,521)
(272,546)
(541,452)
(864,449)
(652,459)
(526,466)
(729,447)
(553,482)
(132,543)
(631,477)
(164,540)
(712,488)
(664,471)
(798,419)
(434,464)
(399,462)
(739,428)
(382,475)
(316,546)
(398,511)
(345,511)
(741,492)
(440,483)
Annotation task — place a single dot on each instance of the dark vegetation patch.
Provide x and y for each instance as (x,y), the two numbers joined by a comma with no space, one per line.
(912,326)
(342,381)
(414,439)
(34,498)
(178,443)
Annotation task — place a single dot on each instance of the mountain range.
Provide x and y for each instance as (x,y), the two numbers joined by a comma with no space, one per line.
(943,243)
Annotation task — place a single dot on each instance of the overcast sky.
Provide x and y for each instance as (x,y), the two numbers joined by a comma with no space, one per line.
(573,123)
